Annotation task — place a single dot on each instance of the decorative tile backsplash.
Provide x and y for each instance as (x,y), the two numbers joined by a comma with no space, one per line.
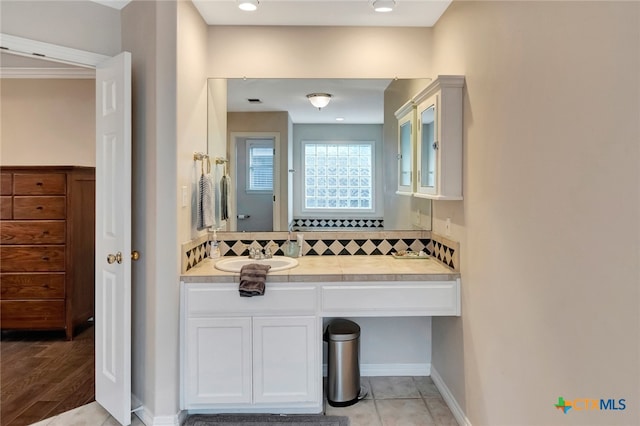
(327,244)
(364,224)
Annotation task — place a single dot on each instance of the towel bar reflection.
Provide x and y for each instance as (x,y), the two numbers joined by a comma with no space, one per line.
(199,156)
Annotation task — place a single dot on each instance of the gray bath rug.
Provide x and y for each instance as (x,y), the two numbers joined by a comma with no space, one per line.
(265,420)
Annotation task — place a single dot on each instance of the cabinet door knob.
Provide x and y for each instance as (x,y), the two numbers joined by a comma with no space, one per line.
(435,145)
(111,258)
(135,255)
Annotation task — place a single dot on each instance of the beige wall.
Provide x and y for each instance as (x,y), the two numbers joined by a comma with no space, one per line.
(191,111)
(549,227)
(149,33)
(318,52)
(47,122)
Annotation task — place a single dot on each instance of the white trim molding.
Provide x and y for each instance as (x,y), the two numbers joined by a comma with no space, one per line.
(51,52)
(448,397)
(68,73)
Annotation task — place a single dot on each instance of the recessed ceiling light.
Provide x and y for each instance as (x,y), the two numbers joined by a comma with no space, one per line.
(248,5)
(383,5)
(339,118)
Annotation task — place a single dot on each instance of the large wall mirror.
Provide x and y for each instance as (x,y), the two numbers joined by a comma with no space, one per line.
(294,165)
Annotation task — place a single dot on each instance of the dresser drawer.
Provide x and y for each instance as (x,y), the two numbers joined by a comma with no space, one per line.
(32,232)
(223,298)
(6,208)
(6,184)
(39,207)
(32,258)
(32,314)
(32,286)
(39,183)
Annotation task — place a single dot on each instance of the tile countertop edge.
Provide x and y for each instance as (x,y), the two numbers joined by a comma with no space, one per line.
(304,272)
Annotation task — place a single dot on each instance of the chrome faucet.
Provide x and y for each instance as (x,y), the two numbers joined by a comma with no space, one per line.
(255,253)
(267,250)
(258,253)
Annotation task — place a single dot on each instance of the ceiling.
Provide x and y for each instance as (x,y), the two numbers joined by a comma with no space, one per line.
(407,13)
(358,101)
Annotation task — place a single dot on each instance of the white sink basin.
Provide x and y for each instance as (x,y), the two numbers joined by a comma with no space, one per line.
(278,263)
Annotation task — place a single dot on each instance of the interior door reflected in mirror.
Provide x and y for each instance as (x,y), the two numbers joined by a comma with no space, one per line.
(268,191)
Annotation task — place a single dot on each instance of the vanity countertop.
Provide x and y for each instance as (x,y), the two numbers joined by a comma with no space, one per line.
(336,269)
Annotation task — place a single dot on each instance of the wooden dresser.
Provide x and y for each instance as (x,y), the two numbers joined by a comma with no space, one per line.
(47,237)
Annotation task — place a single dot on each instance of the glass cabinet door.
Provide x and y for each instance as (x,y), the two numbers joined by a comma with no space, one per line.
(427,146)
(405,153)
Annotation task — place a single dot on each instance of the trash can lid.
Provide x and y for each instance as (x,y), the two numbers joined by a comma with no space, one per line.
(340,330)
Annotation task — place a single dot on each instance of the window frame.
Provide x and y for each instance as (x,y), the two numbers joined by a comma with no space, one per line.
(259,144)
(339,212)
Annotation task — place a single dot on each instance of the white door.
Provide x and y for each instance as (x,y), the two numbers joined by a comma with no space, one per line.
(113,236)
(285,360)
(218,361)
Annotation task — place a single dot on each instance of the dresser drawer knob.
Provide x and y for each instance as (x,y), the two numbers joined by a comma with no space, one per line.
(40,208)
(45,258)
(39,183)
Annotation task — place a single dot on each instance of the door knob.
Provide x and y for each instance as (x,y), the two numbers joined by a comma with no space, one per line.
(135,255)
(111,258)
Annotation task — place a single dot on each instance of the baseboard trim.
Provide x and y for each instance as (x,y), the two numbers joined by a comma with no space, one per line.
(422,369)
(455,408)
(149,419)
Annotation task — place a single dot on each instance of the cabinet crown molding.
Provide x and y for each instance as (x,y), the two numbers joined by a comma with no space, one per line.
(442,82)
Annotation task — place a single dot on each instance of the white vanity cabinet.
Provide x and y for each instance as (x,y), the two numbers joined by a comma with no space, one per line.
(434,117)
(249,354)
(218,361)
(284,361)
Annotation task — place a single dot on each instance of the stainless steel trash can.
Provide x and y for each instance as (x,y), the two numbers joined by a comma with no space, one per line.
(343,381)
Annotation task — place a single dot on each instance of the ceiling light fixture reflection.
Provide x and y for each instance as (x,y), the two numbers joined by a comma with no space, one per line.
(248,5)
(339,118)
(383,5)
(319,100)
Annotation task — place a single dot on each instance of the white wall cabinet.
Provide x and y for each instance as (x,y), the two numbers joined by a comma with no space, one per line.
(437,120)
(406,116)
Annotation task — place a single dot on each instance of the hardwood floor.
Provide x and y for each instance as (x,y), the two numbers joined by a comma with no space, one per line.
(42,374)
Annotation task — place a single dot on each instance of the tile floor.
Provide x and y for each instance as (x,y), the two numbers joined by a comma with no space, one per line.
(398,401)
(391,401)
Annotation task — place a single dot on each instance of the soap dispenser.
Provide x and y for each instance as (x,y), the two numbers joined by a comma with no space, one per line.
(215,246)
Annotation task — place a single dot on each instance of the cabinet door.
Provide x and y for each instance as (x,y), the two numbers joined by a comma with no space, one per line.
(286,359)
(428,146)
(218,361)
(405,153)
